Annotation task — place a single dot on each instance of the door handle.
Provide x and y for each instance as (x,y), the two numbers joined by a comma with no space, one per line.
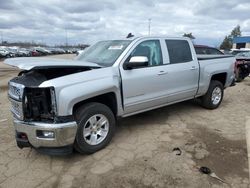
(193,68)
(162,73)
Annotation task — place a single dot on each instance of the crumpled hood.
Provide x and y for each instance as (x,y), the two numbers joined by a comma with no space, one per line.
(28,63)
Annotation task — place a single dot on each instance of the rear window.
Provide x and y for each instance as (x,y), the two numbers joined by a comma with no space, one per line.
(179,51)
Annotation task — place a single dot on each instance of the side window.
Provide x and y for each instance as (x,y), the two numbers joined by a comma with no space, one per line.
(179,51)
(151,49)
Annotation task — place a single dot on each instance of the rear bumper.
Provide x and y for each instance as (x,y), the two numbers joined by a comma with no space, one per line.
(64,134)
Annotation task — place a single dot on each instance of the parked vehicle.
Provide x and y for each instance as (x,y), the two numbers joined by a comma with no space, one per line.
(242,66)
(12,52)
(34,52)
(4,53)
(200,49)
(22,52)
(237,51)
(42,51)
(61,104)
(79,52)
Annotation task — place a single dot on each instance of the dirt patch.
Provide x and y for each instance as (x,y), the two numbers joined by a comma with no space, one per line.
(225,158)
(163,170)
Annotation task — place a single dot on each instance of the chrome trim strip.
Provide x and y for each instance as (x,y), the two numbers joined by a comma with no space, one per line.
(16,108)
(13,87)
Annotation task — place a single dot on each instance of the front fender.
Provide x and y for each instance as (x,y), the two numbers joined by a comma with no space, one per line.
(74,88)
(71,95)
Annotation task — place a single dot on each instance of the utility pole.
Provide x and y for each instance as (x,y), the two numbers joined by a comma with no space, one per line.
(149,24)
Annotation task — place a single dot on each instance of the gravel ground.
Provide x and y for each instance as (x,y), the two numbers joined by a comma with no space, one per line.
(141,153)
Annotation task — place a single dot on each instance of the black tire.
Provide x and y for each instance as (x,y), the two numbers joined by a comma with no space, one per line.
(206,100)
(238,75)
(82,115)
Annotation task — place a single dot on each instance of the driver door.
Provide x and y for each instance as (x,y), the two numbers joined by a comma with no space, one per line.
(144,87)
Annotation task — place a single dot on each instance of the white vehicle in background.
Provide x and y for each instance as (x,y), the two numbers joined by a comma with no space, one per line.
(237,51)
(79,52)
(3,53)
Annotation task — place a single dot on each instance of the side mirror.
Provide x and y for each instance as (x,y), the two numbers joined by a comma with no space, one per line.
(137,61)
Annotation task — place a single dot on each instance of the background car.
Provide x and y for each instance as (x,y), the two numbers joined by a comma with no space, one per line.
(4,53)
(237,51)
(242,66)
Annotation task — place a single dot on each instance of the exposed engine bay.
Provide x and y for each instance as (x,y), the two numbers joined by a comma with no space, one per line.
(37,104)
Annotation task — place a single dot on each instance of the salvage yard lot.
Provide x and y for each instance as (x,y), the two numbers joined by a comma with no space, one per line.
(141,153)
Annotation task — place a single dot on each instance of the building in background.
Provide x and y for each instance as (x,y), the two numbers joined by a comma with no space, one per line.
(241,42)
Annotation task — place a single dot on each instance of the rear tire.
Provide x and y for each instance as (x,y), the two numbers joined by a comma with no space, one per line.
(212,99)
(96,127)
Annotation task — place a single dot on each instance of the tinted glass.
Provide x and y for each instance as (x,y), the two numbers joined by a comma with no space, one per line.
(179,51)
(151,49)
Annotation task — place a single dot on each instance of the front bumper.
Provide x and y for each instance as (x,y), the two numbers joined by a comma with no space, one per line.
(64,133)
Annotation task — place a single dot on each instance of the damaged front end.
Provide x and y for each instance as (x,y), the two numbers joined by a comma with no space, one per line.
(28,101)
(34,108)
(33,103)
(39,104)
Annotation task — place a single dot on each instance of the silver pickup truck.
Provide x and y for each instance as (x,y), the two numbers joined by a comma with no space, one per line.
(60,104)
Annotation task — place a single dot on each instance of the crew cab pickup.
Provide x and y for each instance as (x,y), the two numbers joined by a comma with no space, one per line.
(60,104)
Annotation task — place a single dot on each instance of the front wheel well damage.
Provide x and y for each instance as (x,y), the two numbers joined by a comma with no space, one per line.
(108,99)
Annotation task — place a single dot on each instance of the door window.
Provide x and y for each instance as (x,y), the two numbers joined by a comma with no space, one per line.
(151,49)
(179,51)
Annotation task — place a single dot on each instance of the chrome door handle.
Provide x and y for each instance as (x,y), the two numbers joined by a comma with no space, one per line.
(193,68)
(162,73)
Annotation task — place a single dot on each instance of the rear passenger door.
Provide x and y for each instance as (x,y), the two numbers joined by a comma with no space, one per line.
(183,70)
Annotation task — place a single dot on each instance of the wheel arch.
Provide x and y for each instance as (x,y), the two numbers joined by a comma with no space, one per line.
(109,99)
(221,77)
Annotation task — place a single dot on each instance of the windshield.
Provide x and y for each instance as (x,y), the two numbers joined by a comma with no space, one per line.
(104,53)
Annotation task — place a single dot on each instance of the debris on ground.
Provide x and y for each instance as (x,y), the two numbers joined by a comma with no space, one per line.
(206,170)
(3,120)
(177,151)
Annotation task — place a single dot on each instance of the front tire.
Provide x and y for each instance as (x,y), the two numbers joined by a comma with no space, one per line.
(96,127)
(212,99)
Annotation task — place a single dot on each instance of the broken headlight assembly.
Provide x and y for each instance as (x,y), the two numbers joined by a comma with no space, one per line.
(40,104)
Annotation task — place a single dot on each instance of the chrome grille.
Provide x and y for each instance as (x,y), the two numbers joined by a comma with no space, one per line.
(16,108)
(16,90)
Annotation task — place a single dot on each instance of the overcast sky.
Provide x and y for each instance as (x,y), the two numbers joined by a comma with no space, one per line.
(87,21)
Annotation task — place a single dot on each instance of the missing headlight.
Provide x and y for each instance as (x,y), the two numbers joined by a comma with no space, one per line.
(39,104)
